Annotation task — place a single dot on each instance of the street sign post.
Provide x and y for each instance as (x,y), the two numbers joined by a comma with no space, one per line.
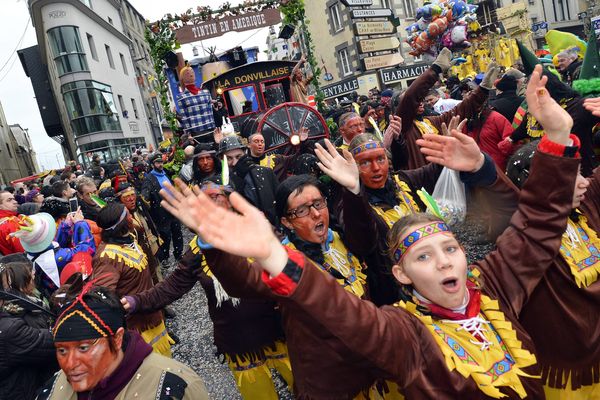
(379,44)
(387,60)
(372,13)
(357,3)
(373,28)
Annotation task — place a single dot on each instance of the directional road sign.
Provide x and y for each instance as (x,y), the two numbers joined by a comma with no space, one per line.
(372,13)
(374,28)
(357,3)
(379,44)
(384,61)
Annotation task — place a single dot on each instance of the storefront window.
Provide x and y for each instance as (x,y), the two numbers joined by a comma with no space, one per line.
(67,49)
(91,107)
(109,150)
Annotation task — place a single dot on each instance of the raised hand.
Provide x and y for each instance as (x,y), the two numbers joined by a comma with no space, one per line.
(246,233)
(343,170)
(455,123)
(490,76)
(456,151)
(392,132)
(557,123)
(217,135)
(592,105)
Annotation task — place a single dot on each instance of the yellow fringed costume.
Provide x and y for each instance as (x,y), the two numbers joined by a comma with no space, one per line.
(124,269)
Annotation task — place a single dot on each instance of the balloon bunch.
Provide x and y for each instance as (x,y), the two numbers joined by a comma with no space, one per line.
(440,23)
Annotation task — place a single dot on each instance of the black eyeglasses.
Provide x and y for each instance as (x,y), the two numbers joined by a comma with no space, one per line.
(304,209)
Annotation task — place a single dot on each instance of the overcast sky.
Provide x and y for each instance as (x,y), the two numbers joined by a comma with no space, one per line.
(16,92)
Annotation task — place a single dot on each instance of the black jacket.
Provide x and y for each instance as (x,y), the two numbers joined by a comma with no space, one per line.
(258,185)
(89,212)
(151,196)
(507,103)
(28,356)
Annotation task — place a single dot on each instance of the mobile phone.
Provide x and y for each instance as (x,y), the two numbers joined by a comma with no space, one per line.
(73,204)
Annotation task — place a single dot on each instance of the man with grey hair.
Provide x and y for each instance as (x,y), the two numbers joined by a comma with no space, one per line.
(86,187)
(569,64)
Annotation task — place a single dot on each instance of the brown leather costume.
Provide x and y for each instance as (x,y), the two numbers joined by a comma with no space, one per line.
(407,110)
(562,318)
(350,341)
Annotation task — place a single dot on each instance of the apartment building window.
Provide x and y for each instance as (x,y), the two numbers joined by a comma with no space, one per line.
(122,105)
(87,3)
(135,110)
(111,62)
(386,4)
(8,149)
(92,46)
(344,62)
(334,14)
(90,106)
(67,49)
(123,64)
(409,8)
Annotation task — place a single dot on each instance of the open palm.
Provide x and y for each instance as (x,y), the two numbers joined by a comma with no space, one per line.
(246,233)
(555,120)
(457,151)
(343,170)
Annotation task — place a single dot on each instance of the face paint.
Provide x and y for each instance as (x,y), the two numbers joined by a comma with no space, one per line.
(129,200)
(373,167)
(85,362)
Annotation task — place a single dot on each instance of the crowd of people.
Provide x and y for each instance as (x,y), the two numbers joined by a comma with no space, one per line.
(323,266)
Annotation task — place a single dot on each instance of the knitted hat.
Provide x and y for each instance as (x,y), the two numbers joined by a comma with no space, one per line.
(155,157)
(515,73)
(31,195)
(387,93)
(88,317)
(36,232)
(589,76)
(505,83)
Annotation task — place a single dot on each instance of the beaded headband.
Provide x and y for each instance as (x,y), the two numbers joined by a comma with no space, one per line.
(418,234)
(370,145)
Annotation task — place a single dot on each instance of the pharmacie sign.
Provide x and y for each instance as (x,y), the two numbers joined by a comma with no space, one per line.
(397,74)
(342,87)
(236,23)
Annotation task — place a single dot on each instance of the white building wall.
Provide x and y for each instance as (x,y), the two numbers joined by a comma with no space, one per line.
(121,84)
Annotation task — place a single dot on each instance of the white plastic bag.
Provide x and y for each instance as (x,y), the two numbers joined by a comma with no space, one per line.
(449,194)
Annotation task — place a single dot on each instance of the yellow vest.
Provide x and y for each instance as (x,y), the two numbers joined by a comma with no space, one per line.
(407,205)
(268,161)
(133,258)
(337,257)
(492,363)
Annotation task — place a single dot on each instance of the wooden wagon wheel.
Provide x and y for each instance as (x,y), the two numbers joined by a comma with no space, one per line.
(282,125)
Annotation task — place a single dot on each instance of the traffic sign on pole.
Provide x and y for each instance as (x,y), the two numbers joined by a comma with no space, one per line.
(371,13)
(379,44)
(357,3)
(374,28)
(387,60)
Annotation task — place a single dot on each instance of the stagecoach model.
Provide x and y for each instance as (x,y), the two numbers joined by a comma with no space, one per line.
(258,98)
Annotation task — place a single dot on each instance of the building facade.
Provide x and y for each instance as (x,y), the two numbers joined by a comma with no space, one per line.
(336,45)
(92,76)
(134,26)
(17,157)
